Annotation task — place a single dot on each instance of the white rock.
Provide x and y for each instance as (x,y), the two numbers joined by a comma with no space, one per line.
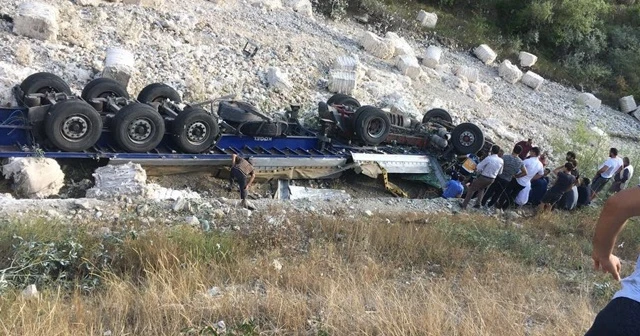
(369,213)
(527,59)
(36,20)
(485,54)
(192,220)
(300,6)
(344,82)
(401,46)
(627,104)
(144,3)
(509,72)
(279,80)
(408,65)
(427,19)
(532,80)
(471,74)
(31,292)
(636,114)
(218,213)
(180,204)
(588,99)
(431,73)
(119,65)
(34,177)
(346,63)
(480,91)
(269,4)
(118,180)
(214,291)
(377,46)
(432,57)
(89,2)
(277,265)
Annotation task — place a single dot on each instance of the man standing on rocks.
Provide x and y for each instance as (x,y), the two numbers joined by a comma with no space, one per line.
(606,171)
(241,170)
(622,177)
(526,147)
(622,315)
(488,170)
(513,167)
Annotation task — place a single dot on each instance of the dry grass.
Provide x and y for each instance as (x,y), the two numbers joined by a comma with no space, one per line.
(454,275)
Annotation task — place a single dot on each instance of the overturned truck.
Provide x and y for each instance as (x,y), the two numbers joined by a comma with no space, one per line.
(157,129)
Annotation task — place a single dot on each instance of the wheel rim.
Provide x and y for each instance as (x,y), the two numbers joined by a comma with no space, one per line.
(108,94)
(467,138)
(197,133)
(75,128)
(160,100)
(375,128)
(140,130)
(47,90)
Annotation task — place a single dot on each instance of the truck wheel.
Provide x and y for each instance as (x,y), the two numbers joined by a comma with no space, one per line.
(237,112)
(195,130)
(372,125)
(262,128)
(138,128)
(343,99)
(435,115)
(104,88)
(157,93)
(43,82)
(73,125)
(467,138)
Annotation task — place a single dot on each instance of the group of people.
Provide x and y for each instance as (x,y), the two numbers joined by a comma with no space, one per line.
(502,180)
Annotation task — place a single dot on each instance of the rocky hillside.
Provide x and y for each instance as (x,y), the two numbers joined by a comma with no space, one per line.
(196,46)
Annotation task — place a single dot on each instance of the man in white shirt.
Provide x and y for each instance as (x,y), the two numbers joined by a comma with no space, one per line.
(535,170)
(622,177)
(488,169)
(622,315)
(605,172)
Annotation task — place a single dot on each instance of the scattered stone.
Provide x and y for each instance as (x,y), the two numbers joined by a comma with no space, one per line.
(471,74)
(401,46)
(118,180)
(34,177)
(144,3)
(369,213)
(432,57)
(53,214)
(218,213)
(485,54)
(627,104)
(119,65)
(344,82)
(377,46)
(276,265)
(181,204)
(409,66)
(31,292)
(527,59)
(103,231)
(509,72)
(192,220)
(36,20)
(88,2)
(214,291)
(431,73)
(312,209)
(588,99)
(279,80)
(268,4)
(205,225)
(246,213)
(24,54)
(427,19)
(300,6)
(107,333)
(532,80)
(480,91)
(98,214)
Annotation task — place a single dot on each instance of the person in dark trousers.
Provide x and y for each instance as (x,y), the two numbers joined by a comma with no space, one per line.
(539,188)
(621,317)
(454,188)
(605,172)
(564,182)
(488,169)
(584,192)
(513,167)
(242,172)
(526,146)
(622,177)
(535,170)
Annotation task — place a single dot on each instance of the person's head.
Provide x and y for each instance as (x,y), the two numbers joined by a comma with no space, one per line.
(574,163)
(495,149)
(626,161)
(517,150)
(571,156)
(613,152)
(501,153)
(586,181)
(460,178)
(568,166)
(529,141)
(547,171)
(238,159)
(535,151)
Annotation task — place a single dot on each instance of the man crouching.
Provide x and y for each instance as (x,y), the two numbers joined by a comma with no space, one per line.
(241,169)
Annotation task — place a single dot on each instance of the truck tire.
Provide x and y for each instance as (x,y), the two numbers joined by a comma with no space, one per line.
(138,128)
(343,99)
(73,125)
(262,128)
(372,125)
(437,114)
(158,92)
(194,130)
(467,138)
(43,82)
(237,112)
(104,88)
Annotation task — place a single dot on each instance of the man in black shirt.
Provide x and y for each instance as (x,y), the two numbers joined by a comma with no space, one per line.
(584,193)
(564,182)
(242,172)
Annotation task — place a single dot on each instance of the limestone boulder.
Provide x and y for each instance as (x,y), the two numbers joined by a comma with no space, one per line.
(36,20)
(34,177)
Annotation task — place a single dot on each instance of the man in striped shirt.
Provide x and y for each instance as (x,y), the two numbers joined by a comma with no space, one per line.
(241,170)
